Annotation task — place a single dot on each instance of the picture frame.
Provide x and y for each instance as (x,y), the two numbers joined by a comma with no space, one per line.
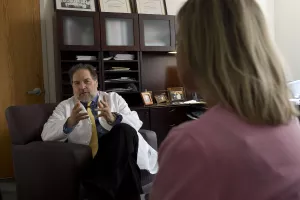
(147,98)
(161,98)
(156,7)
(176,94)
(120,6)
(75,5)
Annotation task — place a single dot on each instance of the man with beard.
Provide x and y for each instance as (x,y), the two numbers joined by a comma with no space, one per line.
(105,123)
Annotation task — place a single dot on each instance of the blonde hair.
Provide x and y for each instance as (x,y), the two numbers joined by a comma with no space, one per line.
(229,50)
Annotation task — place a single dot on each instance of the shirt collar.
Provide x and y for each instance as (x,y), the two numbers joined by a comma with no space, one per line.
(94,101)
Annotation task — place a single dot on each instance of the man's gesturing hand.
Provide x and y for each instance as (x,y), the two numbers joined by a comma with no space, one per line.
(105,111)
(76,116)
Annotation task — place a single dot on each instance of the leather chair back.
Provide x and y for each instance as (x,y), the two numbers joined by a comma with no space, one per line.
(26,123)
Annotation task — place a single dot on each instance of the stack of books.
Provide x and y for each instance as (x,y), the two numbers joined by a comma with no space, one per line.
(86,58)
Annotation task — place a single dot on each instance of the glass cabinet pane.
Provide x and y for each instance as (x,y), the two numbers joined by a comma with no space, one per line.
(119,32)
(78,31)
(157,33)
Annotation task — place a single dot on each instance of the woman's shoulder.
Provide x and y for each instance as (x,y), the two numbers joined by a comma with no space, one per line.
(179,143)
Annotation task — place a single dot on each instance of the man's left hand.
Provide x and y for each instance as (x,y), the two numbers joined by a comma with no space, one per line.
(104,108)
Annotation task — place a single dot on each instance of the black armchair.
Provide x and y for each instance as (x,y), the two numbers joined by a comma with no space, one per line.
(50,170)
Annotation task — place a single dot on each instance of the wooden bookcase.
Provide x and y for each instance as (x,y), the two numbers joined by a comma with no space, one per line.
(119,32)
(157,33)
(77,30)
(67,59)
(104,35)
(133,73)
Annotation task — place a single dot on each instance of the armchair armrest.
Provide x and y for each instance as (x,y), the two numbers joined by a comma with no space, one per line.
(150,137)
(146,177)
(49,170)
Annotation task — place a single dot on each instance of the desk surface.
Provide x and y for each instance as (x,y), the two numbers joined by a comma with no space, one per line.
(168,105)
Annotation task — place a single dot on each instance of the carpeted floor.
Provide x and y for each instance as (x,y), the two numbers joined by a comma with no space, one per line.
(8,189)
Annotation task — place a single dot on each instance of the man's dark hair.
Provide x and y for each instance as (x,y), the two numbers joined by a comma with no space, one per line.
(80,66)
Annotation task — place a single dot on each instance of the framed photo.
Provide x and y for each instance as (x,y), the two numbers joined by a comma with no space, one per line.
(174,6)
(147,98)
(119,6)
(76,5)
(161,98)
(176,94)
(156,7)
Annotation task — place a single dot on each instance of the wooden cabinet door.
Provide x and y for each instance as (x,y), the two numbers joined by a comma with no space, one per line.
(165,118)
(144,117)
(119,32)
(78,30)
(178,115)
(160,123)
(21,65)
(157,32)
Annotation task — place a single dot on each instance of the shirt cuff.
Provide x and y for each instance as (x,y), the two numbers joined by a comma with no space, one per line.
(118,120)
(67,130)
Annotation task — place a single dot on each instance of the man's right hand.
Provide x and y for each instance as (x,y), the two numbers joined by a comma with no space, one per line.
(76,116)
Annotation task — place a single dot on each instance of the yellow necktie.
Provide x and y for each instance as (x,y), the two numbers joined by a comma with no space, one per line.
(94,138)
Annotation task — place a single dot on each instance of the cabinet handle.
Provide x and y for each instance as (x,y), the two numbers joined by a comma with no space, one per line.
(172,110)
(173,125)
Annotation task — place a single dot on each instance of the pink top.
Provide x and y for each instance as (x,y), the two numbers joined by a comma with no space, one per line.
(221,157)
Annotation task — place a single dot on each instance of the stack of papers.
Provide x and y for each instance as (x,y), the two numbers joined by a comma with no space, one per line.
(108,58)
(86,58)
(124,57)
(120,90)
(122,79)
(120,69)
(129,88)
(193,102)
